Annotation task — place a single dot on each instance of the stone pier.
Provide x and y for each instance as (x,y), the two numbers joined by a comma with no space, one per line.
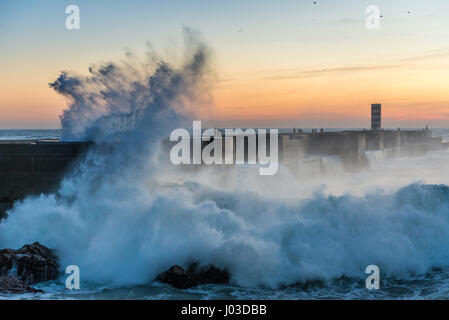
(34,167)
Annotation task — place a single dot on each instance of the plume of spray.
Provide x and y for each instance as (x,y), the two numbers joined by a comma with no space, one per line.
(123,216)
(144,97)
(126,108)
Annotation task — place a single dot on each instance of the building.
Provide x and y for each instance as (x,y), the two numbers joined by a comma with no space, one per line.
(376,123)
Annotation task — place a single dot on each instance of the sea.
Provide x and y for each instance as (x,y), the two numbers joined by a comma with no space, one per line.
(304,236)
(30,134)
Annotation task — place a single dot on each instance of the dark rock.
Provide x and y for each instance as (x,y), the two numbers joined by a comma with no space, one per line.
(180,278)
(11,284)
(177,277)
(32,263)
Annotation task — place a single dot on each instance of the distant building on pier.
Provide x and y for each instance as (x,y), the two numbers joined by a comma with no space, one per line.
(376,113)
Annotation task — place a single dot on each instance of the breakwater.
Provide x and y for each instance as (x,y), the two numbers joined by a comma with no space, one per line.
(37,166)
(351,146)
(30,167)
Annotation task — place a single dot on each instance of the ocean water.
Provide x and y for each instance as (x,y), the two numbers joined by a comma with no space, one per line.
(36,134)
(433,285)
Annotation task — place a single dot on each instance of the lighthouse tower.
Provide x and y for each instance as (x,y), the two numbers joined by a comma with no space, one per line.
(376,123)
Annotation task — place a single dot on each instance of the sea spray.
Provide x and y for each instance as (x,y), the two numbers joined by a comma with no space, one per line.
(129,239)
(148,97)
(125,108)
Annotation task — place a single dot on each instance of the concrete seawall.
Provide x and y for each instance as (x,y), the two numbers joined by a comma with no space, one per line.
(297,148)
(351,146)
(34,167)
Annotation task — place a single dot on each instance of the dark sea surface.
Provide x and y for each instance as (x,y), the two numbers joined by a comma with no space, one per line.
(35,134)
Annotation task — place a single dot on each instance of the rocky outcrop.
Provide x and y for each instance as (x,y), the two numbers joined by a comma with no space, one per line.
(11,284)
(181,278)
(30,264)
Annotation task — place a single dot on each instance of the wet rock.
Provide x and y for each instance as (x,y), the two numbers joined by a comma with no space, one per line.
(11,284)
(32,263)
(181,278)
(177,277)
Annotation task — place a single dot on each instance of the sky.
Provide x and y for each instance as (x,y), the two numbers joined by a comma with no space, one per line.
(278,63)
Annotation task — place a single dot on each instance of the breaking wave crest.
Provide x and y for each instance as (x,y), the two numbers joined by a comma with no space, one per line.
(127,236)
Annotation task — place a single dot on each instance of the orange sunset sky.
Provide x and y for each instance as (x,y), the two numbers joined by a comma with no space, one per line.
(278,63)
